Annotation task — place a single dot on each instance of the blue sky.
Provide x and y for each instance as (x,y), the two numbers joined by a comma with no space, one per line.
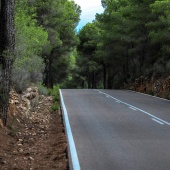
(89,9)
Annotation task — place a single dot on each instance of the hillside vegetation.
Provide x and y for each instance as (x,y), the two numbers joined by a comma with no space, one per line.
(128,42)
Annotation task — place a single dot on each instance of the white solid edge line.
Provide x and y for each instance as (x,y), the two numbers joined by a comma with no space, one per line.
(148,95)
(74,157)
(157,121)
(138,109)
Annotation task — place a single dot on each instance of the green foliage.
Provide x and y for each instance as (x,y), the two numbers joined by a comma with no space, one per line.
(30,39)
(45,41)
(86,61)
(55,93)
(42,89)
(132,40)
(29,36)
(60,25)
(55,106)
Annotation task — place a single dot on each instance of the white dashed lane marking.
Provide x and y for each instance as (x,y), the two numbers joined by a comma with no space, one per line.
(154,118)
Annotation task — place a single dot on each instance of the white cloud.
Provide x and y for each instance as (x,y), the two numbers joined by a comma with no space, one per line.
(86,4)
(89,9)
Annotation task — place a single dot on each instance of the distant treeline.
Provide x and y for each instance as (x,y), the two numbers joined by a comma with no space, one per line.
(130,39)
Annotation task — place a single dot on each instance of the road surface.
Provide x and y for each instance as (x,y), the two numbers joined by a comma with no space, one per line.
(117,130)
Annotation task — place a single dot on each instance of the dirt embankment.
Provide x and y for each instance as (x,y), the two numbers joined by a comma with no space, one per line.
(155,85)
(34,138)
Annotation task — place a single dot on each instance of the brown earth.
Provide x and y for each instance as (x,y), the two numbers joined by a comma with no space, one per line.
(34,142)
(155,85)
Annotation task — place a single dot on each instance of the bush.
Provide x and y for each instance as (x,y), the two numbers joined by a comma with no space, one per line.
(20,79)
(42,89)
(55,93)
(26,71)
(55,106)
(150,92)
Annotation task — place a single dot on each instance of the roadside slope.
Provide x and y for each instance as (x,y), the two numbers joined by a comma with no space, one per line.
(36,142)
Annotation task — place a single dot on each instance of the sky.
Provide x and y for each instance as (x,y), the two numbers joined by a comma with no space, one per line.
(89,9)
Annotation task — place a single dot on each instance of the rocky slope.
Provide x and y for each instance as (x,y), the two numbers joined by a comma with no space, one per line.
(156,85)
(34,137)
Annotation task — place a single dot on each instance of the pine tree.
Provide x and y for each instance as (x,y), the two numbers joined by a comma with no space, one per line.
(7,45)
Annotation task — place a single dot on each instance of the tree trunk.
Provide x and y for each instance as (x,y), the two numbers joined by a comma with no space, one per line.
(7,45)
(94,81)
(48,78)
(110,80)
(126,67)
(89,81)
(112,72)
(45,78)
(105,76)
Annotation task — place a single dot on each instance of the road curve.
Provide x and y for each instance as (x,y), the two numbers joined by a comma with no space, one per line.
(118,130)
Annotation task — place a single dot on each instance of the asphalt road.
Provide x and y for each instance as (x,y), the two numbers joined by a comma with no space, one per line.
(119,130)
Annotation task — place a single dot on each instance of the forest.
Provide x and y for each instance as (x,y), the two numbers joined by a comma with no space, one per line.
(39,44)
(129,40)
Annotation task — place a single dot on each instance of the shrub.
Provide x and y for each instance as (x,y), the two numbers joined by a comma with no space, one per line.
(55,106)
(26,71)
(42,89)
(20,79)
(55,93)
